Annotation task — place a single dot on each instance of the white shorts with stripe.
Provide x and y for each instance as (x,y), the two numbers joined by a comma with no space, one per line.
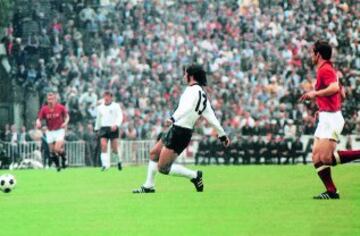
(330,125)
(55,135)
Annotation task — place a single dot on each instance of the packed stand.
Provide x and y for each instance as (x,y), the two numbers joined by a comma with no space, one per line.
(257,58)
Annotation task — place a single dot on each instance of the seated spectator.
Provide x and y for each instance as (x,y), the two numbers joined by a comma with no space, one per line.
(203,151)
(216,151)
(297,150)
(249,149)
(272,150)
(283,148)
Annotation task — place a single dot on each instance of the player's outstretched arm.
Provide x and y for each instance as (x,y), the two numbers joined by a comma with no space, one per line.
(38,123)
(40,117)
(66,121)
(209,115)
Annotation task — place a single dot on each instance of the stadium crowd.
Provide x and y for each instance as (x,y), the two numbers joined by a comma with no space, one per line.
(257,56)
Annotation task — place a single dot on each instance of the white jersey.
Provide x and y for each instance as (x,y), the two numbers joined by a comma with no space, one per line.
(108,115)
(193,104)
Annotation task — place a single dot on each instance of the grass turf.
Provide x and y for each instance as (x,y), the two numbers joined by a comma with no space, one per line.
(245,200)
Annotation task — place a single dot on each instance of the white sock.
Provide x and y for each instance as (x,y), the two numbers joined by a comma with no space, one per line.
(151,172)
(105,160)
(179,170)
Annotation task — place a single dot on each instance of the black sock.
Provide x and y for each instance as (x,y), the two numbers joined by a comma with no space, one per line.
(63,159)
(55,159)
(49,160)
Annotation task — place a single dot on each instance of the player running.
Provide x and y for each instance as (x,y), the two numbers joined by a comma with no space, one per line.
(193,104)
(108,120)
(57,118)
(328,94)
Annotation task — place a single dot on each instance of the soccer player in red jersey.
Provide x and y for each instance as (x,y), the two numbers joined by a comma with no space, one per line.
(328,94)
(57,118)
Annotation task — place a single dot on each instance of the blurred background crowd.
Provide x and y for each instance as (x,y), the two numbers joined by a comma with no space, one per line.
(257,55)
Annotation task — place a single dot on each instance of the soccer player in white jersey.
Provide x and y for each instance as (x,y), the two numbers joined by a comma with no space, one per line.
(193,104)
(108,120)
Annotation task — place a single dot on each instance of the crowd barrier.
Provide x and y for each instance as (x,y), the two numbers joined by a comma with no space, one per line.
(16,152)
(132,152)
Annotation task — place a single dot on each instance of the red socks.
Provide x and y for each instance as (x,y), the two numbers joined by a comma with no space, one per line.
(342,157)
(324,173)
(339,157)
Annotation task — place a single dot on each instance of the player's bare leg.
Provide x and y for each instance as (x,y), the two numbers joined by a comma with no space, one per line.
(115,152)
(167,166)
(105,158)
(323,150)
(148,186)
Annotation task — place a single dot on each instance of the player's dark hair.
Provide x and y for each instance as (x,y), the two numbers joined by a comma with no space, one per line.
(198,73)
(323,48)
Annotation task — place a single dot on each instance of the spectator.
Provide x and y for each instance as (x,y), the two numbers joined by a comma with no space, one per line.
(6,132)
(91,143)
(297,150)
(24,136)
(290,130)
(88,98)
(258,59)
(13,138)
(348,144)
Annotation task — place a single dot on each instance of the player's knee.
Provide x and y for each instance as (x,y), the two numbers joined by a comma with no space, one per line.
(103,148)
(154,155)
(164,169)
(56,150)
(315,157)
(321,156)
(325,159)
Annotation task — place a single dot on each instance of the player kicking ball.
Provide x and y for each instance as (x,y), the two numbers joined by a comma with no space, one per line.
(193,104)
(328,95)
(57,118)
(108,120)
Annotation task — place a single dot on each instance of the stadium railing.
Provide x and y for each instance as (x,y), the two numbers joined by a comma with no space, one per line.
(16,152)
(132,152)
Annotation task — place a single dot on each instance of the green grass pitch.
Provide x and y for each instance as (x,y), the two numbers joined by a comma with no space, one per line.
(238,200)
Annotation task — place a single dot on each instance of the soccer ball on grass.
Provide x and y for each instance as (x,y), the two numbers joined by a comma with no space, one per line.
(7,183)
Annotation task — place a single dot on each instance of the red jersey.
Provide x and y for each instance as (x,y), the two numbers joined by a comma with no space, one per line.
(54,117)
(326,75)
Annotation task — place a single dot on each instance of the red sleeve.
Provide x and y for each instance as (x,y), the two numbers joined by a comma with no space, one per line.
(327,77)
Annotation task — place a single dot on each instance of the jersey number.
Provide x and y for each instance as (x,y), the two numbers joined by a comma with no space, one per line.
(201,102)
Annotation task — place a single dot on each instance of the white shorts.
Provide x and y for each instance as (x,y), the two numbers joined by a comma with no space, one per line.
(330,125)
(55,135)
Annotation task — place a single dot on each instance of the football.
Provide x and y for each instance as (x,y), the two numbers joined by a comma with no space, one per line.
(7,183)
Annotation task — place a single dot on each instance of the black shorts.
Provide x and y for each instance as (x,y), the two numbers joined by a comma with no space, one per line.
(105,132)
(177,138)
